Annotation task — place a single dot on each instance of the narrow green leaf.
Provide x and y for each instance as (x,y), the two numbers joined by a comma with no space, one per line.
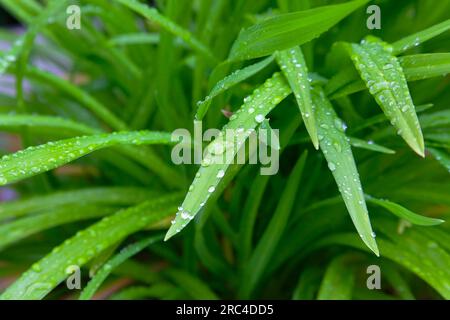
(272,235)
(288,30)
(229,81)
(338,281)
(308,284)
(126,253)
(411,250)
(385,80)
(192,285)
(101,196)
(56,123)
(134,38)
(153,15)
(404,213)
(42,158)
(24,43)
(293,65)
(221,152)
(369,145)
(424,66)
(337,151)
(46,274)
(22,228)
(415,67)
(441,156)
(82,96)
(158,291)
(415,39)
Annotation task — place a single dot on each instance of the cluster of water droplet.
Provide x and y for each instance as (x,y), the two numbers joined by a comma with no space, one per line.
(251,114)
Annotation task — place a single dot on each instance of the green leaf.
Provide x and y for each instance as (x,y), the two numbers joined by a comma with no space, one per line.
(337,152)
(229,81)
(420,37)
(220,153)
(441,156)
(192,285)
(22,228)
(288,30)
(46,274)
(293,66)
(158,291)
(24,43)
(411,250)
(82,96)
(101,196)
(369,145)
(134,38)
(415,67)
(42,158)
(385,80)
(338,281)
(265,249)
(124,254)
(424,66)
(404,213)
(153,15)
(308,284)
(56,124)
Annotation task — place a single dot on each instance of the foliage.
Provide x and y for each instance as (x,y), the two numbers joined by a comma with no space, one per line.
(364,149)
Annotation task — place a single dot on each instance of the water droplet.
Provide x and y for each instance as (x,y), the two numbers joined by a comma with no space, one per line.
(211,189)
(220,174)
(259,118)
(331,166)
(185,215)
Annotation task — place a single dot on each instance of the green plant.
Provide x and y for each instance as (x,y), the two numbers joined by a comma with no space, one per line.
(133,73)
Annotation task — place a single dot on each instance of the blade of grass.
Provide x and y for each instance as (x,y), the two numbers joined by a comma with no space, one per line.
(288,30)
(338,281)
(267,244)
(308,284)
(101,196)
(46,274)
(415,39)
(154,16)
(253,112)
(158,291)
(404,213)
(337,151)
(369,145)
(22,228)
(408,250)
(192,285)
(441,156)
(124,254)
(42,158)
(229,81)
(134,39)
(424,66)
(293,66)
(58,124)
(385,80)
